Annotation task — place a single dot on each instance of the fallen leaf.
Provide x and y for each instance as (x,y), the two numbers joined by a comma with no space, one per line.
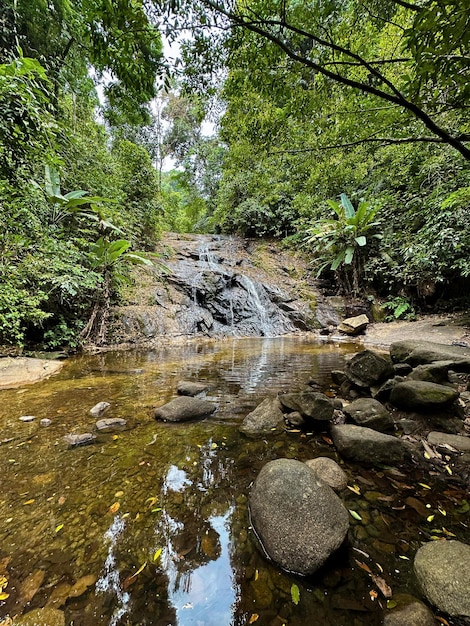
(114,508)
(59,528)
(442,620)
(430,518)
(130,579)
(373,594)
(119,494)
(295,594)
(441,511)
(256,574)
(327,440)
(363,566)
(61,500)
(153,500)
(424,485)
(448,533)
(355,489)
(253,618)
(384,589)
(157,554)
(355,515)
(448,470)
(405,558)
(29,501)
(391,604)
(4,596)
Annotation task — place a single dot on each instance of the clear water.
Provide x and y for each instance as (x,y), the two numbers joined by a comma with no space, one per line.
(150,525)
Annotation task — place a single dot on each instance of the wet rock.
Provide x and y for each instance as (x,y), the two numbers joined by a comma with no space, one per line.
(190,388)
(369,368)
(442,569)
(409,611)
(419,395)
(370,413)
(45,422)
(419,352)
(312,405)
(382,392)
(266,419)
(295,419)
(27,418)
(41,617)
(110,423)
(329,472)
(183,409)
(366,445)
(402,369)
(299,520)
(79,440)
(459,442)
(437,372)
(354,325)
(99,409)
(338,377)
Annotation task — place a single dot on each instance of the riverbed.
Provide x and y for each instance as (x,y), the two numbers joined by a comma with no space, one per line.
(150,524)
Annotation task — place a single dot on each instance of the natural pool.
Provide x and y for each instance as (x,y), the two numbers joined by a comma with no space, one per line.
(150,525)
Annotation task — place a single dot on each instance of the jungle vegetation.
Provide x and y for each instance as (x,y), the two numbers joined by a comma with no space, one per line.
(340,127)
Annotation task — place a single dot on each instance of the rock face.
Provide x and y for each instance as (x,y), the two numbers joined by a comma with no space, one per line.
(312,405)
(368,368)
(419,395)
(190,388)
(266,419)
(184,409)
(299,520)
(18,371)
(442,569)
(370,413)
(366,445)
(329,472)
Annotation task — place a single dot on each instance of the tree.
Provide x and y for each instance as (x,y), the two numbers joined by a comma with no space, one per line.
(331,41)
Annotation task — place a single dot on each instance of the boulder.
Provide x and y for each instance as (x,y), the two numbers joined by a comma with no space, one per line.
(442,569)
(417,352)
(329,472)
(82,439)
(459,442)
(370,413)
(419,395)
(437,372)
(366,445)
(368,368)
(190,388)
(183,409)
(312,405)
(99,409)
(299,520)
(18,371)
(111,423)
(354,325)
(409,611)
(266,419)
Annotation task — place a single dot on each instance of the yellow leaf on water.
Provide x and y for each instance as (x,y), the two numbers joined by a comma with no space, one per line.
(214,446)
(114,508)
(441,511)
(355,489)
(115,437)
(59,527)
(119,494)
(4,596)
(29,501)
(355,515)
(424,485)
(430,518)
(152,501)
(256,574)
(448,470)
(157,554)
(448,533)
(405,558)
(254,618)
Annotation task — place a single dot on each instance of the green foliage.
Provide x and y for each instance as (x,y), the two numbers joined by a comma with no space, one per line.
(400,308)
(340,244)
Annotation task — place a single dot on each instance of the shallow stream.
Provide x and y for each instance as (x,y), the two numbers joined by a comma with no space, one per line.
(150,525)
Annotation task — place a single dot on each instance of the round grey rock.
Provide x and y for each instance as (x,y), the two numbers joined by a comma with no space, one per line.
(299,520)
(442,569)
(266,419)
(329,472)
(191,387)
(99,408)
(419,395)
(409,612)
(370,413)
(368,368)
(366,445)
(183,409)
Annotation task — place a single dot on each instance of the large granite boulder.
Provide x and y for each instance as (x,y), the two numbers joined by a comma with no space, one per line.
(442,569)
(366,445)
(437,372)
(417,352)
(419,395)
(368,368)
(312,405)
(329,472)
(184,409)
(266,419)
(299,520)
(18,371)
(370,413)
